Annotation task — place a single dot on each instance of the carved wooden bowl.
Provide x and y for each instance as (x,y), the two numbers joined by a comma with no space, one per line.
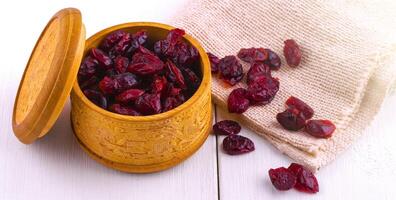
(143,144)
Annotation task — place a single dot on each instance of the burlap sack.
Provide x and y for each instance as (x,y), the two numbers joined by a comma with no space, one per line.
(345,72)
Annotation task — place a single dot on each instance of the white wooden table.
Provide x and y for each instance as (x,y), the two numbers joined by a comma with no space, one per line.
(56,168)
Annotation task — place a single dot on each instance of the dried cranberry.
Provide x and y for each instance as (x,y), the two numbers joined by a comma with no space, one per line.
(274,60)
(292,53)
(236,144)
(320,128)
(112,39)
(138,39)
(253,54)
(170,103)
(122,45)
(226,127)
(120,64)
(237,101)
(262,90)
(167,47)
(306,181)
(148,104)
(230,70)
(96,97)
(214,62)
(118,84)
(159,84)
(185,54)
(145,64)
(174,74)
(87,68)
(291,119)
(282,178)
(294,102)
(103,59)
(256,70)
(124,110)
(192,80)
(90,83)
(129,96)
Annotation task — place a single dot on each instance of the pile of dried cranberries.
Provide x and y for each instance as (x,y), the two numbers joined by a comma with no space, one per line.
(126,75)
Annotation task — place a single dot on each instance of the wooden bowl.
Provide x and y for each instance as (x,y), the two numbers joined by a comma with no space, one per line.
(143,144)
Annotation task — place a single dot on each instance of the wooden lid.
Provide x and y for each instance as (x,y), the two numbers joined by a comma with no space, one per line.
(49,76)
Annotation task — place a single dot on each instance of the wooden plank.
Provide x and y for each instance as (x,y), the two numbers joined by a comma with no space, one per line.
(366,171)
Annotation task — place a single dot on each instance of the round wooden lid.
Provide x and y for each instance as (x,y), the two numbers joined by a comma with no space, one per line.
(49,76)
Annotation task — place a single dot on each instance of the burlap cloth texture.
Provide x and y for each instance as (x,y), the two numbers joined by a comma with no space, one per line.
(345,73)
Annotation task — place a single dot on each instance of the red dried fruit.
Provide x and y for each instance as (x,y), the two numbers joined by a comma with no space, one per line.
(320,128)
(96,97)
(253,54)
(237,101)
(273,60)
(262,90)
(148,104)
(214,62)
(236,144)
(159,84)
(103,59)
(129,96)
(291,119)
(294,102)
(230,70)
(121,46)
(282,179)
(226,127)
(87,68)
(292,53)
(184,54)
(112,39)
(192,80)
(118,83)
(306,181)
(145,64)
(166,48)
(90,83)
(256,70)
(120,64)
(138,39)
(124,110)
(174,74)
(170,103)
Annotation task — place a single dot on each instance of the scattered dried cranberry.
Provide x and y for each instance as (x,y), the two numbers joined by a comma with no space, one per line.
(226,127)
(294,102)
(253,54)
(129,75)
(274,60)
(230,70)
(124,110)
(320,128)
(256,71)
(236,144)
(96,97)
(282,178)
(306,181)
(292,53)
(214,62)
(291,119)
(129,96)
(262,90)
(237,101)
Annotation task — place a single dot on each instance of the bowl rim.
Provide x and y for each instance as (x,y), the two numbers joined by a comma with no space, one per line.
(205,82)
